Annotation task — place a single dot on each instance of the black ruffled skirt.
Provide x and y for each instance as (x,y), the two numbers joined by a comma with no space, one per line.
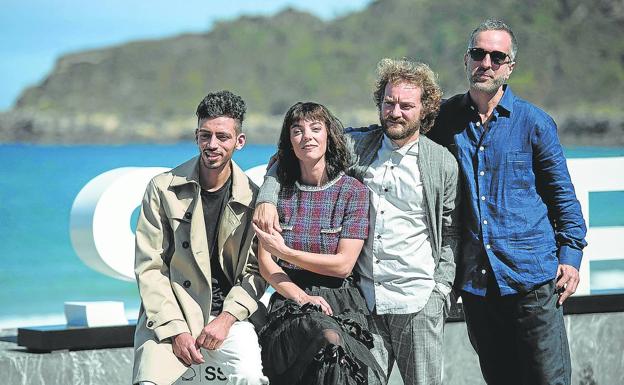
(302,345)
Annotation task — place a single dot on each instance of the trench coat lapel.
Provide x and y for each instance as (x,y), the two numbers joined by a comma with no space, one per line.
(237,207)
(229,221)
(186,179)
(199,242)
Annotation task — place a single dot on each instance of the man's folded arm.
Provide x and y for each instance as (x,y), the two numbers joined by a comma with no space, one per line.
(269,191)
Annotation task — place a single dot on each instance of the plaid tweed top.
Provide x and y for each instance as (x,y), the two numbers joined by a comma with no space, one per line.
(313,219)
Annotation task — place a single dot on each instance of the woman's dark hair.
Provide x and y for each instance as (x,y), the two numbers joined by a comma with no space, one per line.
(337,158)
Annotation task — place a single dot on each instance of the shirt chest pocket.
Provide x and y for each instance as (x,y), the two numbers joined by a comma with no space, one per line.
(329,239)
(323,240)
(519,170)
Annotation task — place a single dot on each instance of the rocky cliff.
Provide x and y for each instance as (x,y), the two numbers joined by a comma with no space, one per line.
(570,62)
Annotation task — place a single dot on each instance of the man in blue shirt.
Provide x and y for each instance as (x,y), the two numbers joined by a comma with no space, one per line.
(523,228)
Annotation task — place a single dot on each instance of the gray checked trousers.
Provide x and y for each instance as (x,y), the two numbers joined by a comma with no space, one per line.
(414,341)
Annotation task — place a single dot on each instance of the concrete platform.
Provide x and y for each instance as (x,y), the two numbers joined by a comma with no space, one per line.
(63,367)
(596,343)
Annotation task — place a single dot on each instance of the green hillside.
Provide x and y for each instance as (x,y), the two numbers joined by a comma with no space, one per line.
(570,61)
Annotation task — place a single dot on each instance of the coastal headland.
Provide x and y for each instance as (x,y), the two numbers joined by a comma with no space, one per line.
(144,91)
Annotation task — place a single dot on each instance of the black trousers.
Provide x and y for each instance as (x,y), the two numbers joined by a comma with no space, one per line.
(520,339)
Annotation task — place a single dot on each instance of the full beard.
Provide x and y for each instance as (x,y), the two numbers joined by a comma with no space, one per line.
(401,129)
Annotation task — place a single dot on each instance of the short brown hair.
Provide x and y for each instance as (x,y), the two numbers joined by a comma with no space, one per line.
(396,71)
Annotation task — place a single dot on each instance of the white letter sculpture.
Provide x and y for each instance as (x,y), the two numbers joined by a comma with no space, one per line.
(103,238)
(100,227)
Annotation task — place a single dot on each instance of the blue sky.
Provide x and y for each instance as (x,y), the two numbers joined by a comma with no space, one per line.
(33,33)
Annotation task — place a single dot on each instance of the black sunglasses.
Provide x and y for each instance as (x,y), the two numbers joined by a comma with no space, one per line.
(497,57)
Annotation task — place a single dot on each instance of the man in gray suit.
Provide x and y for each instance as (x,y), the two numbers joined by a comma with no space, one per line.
(407,265)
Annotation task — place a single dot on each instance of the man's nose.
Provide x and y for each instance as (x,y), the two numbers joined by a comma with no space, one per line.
(212,143)
(487,61)
(396,110)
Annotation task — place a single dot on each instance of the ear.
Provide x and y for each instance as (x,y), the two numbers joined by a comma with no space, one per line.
(240,141)
(466,60)
(512,65)
(196,137)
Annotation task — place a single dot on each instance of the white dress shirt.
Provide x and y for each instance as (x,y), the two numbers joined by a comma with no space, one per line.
(396,265)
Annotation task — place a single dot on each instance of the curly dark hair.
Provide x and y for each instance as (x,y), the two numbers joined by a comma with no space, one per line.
(222,103)
(419,74)
(337,157)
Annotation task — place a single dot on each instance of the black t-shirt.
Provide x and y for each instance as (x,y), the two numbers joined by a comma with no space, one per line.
(214,203)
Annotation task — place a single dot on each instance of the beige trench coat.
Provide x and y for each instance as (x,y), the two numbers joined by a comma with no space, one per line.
(172,265)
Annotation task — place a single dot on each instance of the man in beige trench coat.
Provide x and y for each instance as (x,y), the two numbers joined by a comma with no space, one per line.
(195,263)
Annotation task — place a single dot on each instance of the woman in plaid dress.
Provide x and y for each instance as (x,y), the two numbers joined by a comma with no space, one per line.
(317,331)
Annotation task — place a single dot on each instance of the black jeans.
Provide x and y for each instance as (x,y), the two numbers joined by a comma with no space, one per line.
(520,339)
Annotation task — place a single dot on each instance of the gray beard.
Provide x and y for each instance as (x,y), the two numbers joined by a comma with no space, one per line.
(488,87)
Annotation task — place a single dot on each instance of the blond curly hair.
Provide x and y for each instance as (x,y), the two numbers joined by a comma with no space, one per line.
(396,71)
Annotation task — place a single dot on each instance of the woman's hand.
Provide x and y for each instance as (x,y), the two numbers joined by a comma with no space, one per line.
(315,300)
(272,242)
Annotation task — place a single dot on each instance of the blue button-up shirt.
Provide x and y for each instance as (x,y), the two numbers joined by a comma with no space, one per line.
(521,215)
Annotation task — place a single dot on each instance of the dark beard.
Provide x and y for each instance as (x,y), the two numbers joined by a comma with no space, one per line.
(409,129)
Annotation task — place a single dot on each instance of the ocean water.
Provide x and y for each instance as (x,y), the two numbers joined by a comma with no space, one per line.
(39,269)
